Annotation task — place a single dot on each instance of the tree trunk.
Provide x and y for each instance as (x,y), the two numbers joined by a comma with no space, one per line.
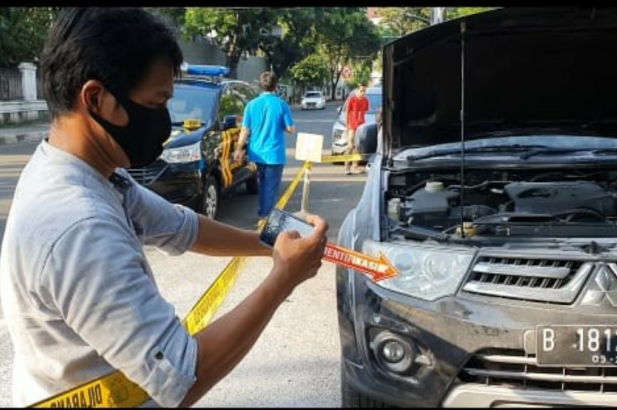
(233,55)
(332,89)
(232,63)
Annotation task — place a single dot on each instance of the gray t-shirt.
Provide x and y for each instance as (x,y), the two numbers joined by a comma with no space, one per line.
(77,292)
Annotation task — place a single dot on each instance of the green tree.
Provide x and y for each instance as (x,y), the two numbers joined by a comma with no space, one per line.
(387,34)
(254,30)
(237,29)
(404,20)
(456,12)
(296,42)
(23,31)
(310,71)
(398,21)
(345,33)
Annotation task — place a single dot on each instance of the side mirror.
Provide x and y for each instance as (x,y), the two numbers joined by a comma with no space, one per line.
(229,121)
(366,138)
(339,108)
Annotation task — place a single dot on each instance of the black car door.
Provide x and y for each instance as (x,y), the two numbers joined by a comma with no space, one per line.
(231,108)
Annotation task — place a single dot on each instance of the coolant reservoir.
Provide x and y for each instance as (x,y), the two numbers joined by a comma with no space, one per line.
(430,206)
(394,206)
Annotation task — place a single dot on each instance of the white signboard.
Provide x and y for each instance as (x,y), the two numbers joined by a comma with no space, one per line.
(309,147)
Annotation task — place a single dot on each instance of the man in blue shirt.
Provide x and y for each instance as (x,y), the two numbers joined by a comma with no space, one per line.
(266,119)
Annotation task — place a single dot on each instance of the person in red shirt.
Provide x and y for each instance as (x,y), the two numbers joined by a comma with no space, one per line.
(356,109)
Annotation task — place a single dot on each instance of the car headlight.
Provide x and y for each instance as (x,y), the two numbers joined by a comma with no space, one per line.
(188,153)
(338,134)
(426,272)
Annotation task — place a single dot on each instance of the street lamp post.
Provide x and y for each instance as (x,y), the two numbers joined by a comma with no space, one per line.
(438,15)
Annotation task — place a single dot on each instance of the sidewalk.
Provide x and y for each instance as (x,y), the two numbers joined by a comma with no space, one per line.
(14,134)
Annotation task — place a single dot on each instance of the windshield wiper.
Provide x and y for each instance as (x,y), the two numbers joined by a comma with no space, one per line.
(494,148)
(558,151)
(604,151)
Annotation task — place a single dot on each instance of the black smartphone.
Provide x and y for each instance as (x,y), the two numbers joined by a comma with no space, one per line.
(279,221)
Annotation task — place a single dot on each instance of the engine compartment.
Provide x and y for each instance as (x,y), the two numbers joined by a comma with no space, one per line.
(518,202)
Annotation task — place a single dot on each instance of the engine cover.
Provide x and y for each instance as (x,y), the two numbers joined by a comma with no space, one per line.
(555,197)
(430,209)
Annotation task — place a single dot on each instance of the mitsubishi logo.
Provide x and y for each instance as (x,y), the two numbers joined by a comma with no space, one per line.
(604,286)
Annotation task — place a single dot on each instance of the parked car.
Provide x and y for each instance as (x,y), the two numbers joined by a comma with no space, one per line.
(197,166)
(313,100)
(339,129)
(493,193)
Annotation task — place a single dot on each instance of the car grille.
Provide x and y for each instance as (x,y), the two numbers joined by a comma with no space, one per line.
(542,280)
(514,369)
(147,175)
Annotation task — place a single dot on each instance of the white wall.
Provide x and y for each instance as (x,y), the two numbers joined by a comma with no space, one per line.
(15,112)
(202,53)
(250,69)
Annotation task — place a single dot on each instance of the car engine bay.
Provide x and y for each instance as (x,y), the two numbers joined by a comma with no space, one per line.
(545,203)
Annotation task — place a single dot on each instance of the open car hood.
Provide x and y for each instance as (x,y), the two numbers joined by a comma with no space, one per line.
(524,68)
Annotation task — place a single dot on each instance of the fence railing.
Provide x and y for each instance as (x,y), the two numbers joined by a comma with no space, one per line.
(10,84)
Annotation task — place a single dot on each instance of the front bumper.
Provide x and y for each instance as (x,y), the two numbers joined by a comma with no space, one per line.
(313,106)
(489,396)
(178,183)
(468,350)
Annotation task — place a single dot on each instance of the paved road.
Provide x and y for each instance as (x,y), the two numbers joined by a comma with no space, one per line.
(296,361)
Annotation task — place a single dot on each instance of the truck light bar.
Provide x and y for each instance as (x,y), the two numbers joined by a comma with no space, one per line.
(207,70)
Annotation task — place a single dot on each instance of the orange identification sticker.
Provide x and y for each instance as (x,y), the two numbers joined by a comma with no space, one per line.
(377,268)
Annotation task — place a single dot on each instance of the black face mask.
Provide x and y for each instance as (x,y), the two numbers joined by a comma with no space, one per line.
(143,137)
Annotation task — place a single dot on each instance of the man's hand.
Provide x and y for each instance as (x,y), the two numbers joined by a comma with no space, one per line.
(297,259)
(238,155)
(290,130)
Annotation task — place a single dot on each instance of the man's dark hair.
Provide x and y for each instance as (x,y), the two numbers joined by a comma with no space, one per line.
(116,46)
(268,81)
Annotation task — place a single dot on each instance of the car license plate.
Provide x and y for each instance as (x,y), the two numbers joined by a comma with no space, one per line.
(574,345)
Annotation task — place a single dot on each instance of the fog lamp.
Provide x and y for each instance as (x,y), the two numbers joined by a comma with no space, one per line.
(393,352)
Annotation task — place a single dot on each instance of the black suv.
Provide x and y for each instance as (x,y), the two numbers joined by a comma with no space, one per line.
(493,193)
(197,167)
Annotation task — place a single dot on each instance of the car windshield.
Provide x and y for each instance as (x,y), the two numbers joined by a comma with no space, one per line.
(194,102)
(312,95)
(374,104)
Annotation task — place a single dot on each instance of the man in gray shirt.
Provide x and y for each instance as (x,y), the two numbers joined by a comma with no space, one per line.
(77,292)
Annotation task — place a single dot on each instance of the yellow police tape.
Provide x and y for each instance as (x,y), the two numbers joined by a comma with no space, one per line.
(342,158)
(115,389)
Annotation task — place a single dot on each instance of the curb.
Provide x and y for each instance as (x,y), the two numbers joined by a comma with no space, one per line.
(35,136)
